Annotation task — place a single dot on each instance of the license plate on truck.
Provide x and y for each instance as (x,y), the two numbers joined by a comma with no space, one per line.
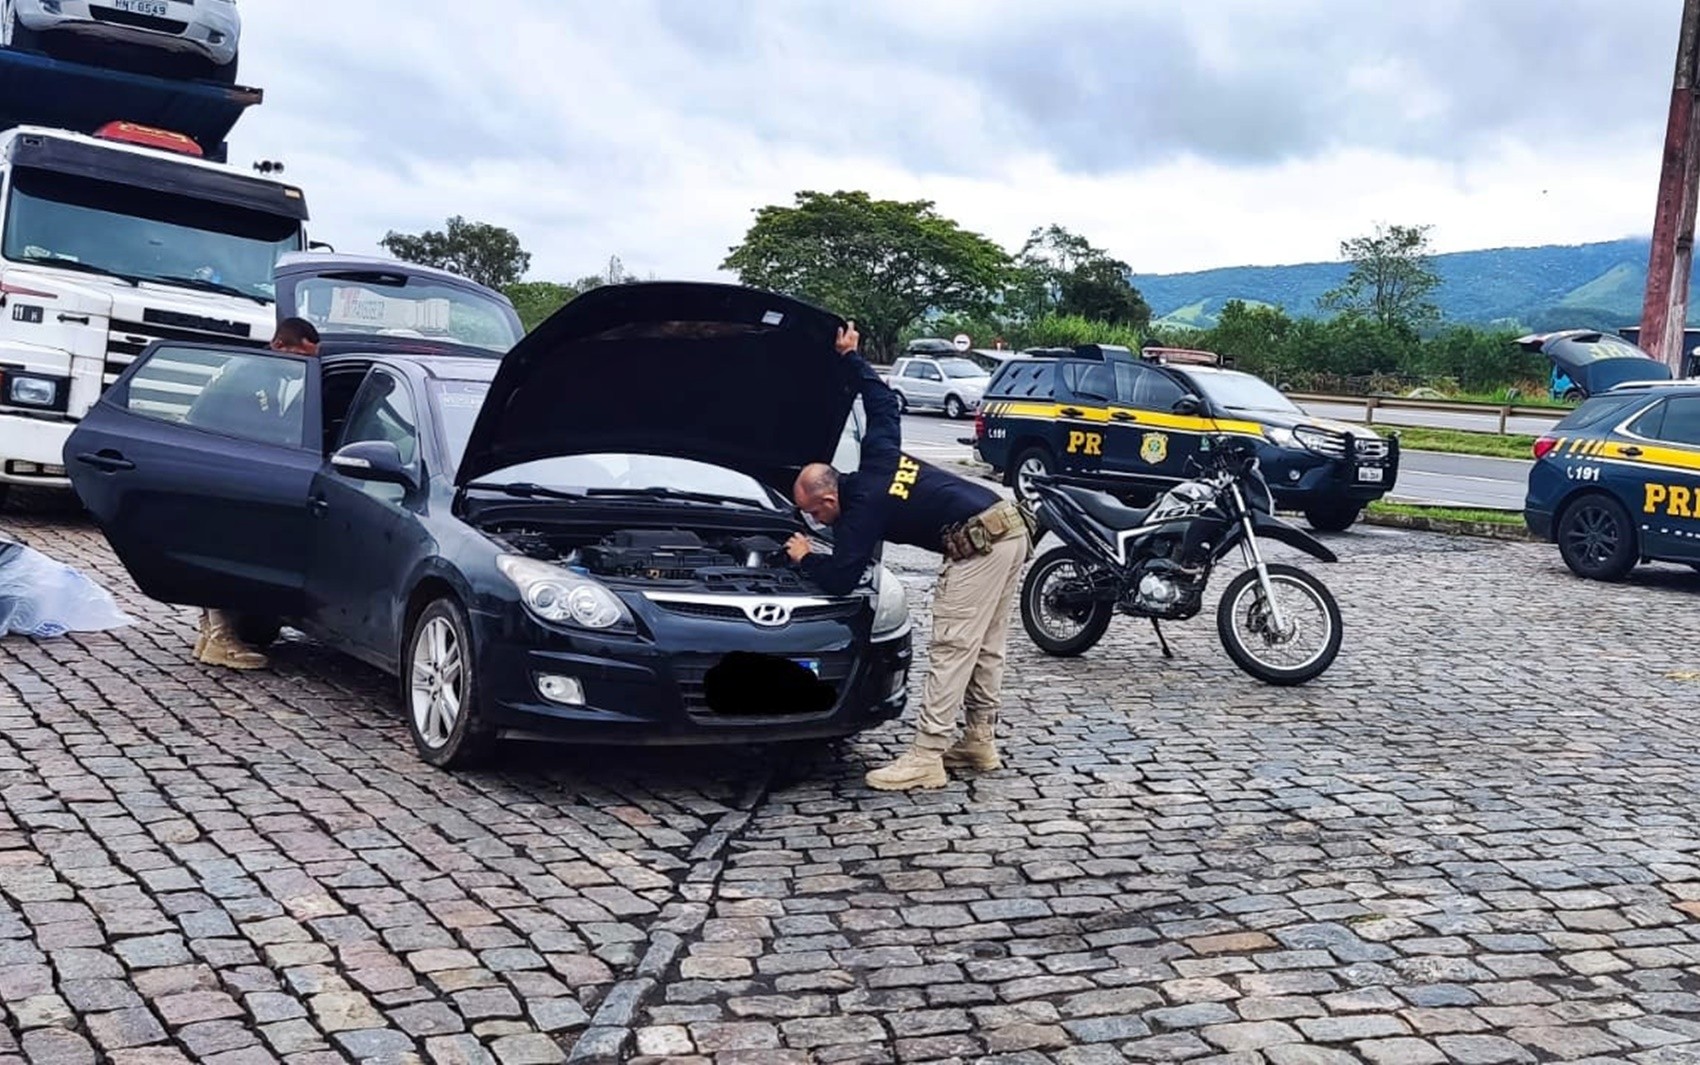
(151,8)
(1372,474)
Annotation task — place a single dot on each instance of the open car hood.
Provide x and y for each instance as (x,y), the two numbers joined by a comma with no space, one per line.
(731,376)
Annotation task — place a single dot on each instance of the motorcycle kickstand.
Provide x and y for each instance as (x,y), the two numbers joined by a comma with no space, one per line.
(1161,642)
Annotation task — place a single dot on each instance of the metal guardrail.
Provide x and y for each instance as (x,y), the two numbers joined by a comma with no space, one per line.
(1371,404)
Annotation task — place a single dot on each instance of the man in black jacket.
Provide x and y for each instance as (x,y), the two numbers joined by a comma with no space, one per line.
(985,542)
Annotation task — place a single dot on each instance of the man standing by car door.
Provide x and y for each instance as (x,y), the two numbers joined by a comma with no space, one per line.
(985,542)
(253,388)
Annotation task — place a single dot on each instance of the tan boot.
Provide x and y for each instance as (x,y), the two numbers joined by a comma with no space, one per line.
(917,768)
(977,750)
(219,646)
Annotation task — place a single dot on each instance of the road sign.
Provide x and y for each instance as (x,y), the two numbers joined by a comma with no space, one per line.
(961,341)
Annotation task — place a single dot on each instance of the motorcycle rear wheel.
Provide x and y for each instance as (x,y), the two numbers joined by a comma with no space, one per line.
(1065,632)
(1309,609)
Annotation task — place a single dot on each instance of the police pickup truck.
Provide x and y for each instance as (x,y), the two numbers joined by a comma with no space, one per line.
(1617,482)
(1102,416)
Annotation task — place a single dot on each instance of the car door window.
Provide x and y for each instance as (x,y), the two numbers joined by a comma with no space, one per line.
(1682,421)
(256,396)
(931,373)
(1649,422)
(1096,381)
(1145,388)
(384,410)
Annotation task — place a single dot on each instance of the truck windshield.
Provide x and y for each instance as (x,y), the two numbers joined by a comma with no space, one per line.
(144,235)
(398,306)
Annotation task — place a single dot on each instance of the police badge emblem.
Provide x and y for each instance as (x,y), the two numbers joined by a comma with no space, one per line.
(1154,448)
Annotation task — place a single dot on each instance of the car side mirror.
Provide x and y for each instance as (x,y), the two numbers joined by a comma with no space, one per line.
(374,460)
(1188,406)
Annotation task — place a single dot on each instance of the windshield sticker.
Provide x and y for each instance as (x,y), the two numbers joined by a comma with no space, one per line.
(772,318)
(363,307)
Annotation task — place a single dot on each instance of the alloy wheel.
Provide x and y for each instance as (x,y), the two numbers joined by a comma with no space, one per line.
(437,689)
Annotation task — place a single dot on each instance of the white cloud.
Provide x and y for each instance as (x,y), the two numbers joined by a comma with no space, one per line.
(1179,136)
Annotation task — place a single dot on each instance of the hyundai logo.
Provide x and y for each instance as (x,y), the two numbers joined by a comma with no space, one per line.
(771,615)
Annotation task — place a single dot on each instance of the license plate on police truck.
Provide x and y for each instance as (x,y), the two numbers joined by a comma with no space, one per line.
(1370,473)
(150,8)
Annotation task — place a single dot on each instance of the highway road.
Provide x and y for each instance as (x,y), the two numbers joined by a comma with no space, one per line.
(1424,476)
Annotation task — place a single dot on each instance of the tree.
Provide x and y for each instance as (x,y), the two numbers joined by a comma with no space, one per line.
(537,300)
(1062,273)
(489,255)
(1391,278)
(884,263)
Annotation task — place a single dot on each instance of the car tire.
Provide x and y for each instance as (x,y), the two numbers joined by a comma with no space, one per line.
(1333,517)
(1036,459)
(902,402)
(953,408)
(1596,538)
(258,631)
(1574,395)
(439,688)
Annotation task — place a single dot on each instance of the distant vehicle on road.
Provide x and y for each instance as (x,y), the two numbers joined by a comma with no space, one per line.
(1618,481)
(949,383)
(174,37)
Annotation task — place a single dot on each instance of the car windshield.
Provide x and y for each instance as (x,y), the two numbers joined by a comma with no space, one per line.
(397,305)
(144,235)
(458,402)
(960,368)
(1240,391)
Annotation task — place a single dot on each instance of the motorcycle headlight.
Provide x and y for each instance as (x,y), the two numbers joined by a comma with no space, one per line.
(562,597)
(1280,437)
(891,608)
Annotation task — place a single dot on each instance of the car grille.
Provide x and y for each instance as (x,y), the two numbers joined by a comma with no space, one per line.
(141,22)
(1369,447)
(690,672)
(728,612)
(127,339)
(1323,441)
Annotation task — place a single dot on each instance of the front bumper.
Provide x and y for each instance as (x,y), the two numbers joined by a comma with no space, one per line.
(212,30)
(32,450)
(1299,478)
(659,693)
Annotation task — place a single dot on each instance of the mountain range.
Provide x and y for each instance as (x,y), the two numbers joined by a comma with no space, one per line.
(1586,286)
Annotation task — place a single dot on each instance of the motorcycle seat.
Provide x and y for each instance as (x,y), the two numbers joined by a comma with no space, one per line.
(1106,509)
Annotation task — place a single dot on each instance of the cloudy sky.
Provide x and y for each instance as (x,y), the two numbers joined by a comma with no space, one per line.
(1180,135)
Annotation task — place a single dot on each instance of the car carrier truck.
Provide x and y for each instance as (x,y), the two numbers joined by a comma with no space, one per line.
(118,228)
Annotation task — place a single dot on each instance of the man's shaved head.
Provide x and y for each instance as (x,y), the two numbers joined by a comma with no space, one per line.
(816,492)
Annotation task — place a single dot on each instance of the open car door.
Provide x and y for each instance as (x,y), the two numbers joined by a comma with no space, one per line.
(197,464)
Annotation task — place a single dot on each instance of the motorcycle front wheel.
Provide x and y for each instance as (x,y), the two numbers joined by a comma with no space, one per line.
(1306,643)
(1053,608)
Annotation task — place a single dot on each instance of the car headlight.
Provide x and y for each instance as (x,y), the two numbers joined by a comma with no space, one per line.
(27,391)
(1280,437)
(1316,440)
(560,596)
(891,608)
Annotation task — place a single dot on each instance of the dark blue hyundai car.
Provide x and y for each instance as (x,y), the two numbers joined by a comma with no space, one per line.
(582,539)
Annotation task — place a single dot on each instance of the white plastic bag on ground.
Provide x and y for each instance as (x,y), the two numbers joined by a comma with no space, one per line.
(40,597)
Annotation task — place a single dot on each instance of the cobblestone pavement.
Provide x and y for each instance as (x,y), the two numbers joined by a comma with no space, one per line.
(1473,841)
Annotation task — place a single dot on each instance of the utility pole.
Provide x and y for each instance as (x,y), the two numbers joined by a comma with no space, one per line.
(1664,314)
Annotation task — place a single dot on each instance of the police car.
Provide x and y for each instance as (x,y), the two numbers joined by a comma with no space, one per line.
(1100,415)
(1618,481)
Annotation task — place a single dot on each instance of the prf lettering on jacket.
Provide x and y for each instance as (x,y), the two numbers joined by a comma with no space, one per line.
(907,471)
(1678,501)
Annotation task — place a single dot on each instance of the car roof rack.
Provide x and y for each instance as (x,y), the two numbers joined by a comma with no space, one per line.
(1180,356)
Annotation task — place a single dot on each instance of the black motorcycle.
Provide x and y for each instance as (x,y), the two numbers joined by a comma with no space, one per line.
(1277,622)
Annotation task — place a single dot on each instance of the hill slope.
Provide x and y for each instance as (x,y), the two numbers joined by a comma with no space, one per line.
(1583,285)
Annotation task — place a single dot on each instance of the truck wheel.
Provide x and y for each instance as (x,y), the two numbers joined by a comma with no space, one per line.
(1574,395)
(1596,539)
(1332,517)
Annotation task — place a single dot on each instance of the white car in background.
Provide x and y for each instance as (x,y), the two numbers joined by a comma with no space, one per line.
(198,37)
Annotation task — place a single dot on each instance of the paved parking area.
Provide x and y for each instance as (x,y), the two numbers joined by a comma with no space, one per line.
(1473,841)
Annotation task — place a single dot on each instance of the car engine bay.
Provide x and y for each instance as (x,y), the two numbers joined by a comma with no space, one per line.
(733,562)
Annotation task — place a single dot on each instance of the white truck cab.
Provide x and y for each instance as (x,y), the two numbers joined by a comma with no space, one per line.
(107,243)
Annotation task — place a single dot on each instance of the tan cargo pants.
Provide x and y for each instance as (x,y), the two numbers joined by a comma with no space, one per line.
(970,632)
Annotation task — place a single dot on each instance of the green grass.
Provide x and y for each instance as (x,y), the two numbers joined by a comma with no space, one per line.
(1411,510)
(1525,397)
(1464,442)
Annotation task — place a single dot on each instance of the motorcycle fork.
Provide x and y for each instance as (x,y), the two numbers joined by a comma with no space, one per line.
(1254,560)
